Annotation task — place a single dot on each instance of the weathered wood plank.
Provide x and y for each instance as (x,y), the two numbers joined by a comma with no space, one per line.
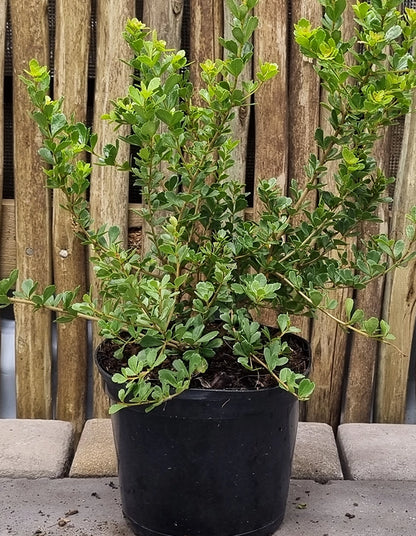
(360,376)
(109,188)
(304,92)
(33,254)
(240,123)
(8,234)
(7,238)
(271,109)
(271,105)
(206,25)
(399,307)
(69,256)
(166,18)
(328,340)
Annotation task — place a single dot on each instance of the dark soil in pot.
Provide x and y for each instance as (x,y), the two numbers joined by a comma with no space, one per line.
(210,462)
(224,372)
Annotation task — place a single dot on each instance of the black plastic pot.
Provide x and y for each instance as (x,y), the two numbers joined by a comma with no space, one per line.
(207,463)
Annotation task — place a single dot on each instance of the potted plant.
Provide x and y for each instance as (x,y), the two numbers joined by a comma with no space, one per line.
(208,395)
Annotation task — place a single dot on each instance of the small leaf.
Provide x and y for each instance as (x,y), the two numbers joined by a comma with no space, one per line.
(46,155)
(58,122)
(357,317)
(118,378)
(393,33)
(316,297)
(29,287)
(332,304)
(113,234)
(349,305)
(114,408)
(168,377)
(283,322)
(371,325)
(180,280)
(306,388)
(235,66)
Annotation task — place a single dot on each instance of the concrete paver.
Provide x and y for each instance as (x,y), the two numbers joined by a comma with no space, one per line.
(91,507)
(378,451)
(96,454)
(33,448)
(316,454)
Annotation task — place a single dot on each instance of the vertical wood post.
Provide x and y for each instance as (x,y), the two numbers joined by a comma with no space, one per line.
(33,225)
(165,16)
(303,103)
(271,106)
(206,25)
(360,376)
(329,341)
(109,187)
(240,123)
(271,110)
(400,294)
(69,259)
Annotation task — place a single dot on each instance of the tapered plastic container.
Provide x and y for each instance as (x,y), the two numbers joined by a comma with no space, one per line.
(207,463)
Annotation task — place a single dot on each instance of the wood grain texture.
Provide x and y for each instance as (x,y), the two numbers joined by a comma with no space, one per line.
(7,238)
(240,123)
(69,255)
(399,307)
(304,99)
(165,16)
(109,187)
(33,222)
(360,375)
(328,340)
(8,234)
(303,106)
(271,108)
(206,25)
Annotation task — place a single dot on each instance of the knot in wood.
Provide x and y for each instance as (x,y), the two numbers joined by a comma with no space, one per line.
(242,114)
(177,6)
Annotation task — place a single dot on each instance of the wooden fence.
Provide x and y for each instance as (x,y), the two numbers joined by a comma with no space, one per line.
(356,380)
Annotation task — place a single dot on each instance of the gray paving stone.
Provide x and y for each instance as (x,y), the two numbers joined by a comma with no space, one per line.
(316,453)
(378,451)
(96,454)
(33,448)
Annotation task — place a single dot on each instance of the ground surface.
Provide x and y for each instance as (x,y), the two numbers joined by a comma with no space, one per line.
(90,507)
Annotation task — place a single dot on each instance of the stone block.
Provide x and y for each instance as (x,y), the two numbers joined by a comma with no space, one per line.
(316,453)
(34,448)
(378,451)
(96,454)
